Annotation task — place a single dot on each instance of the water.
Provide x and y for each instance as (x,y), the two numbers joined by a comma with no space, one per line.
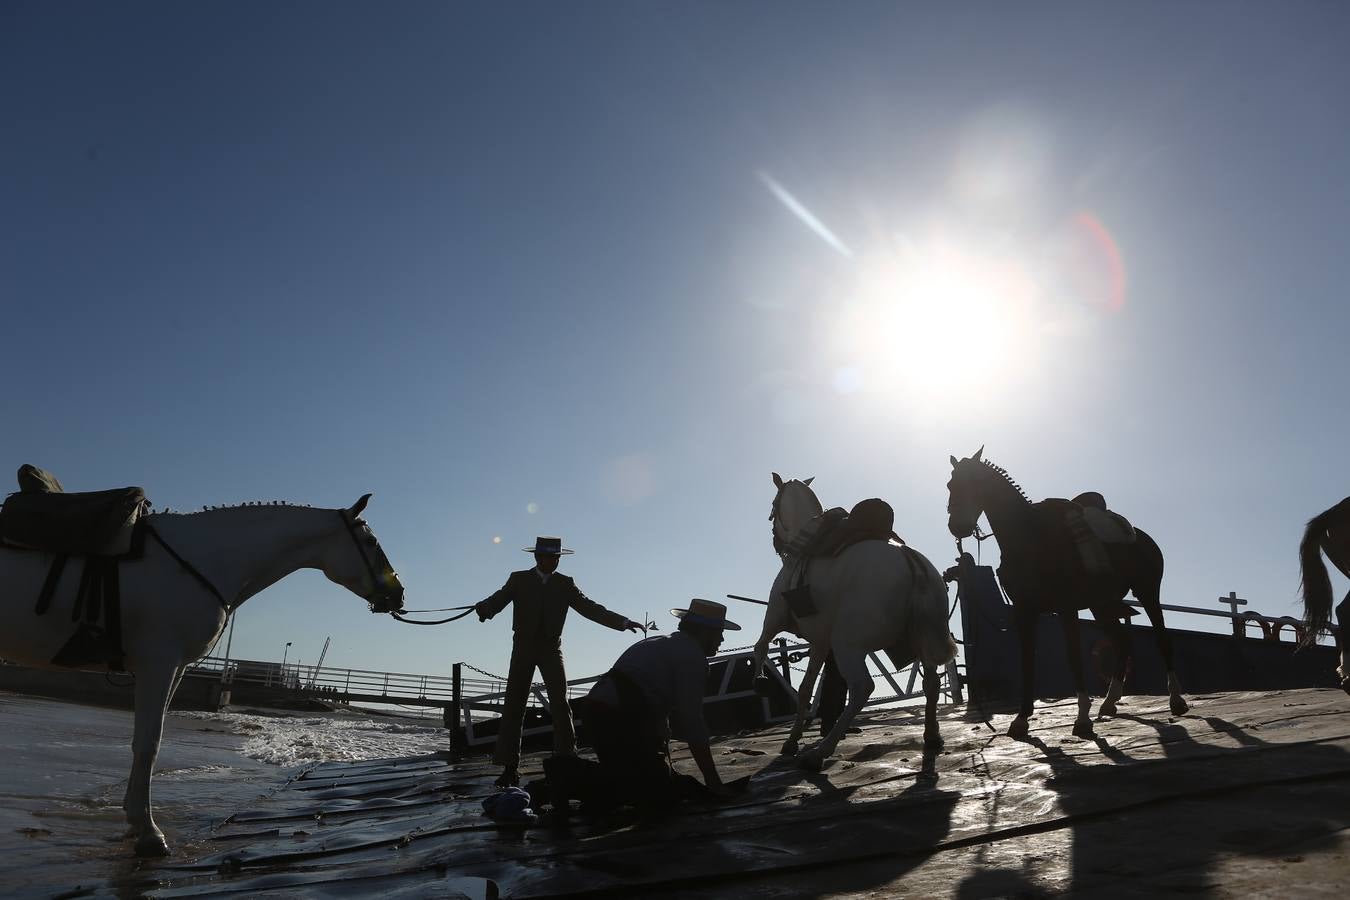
(65,768)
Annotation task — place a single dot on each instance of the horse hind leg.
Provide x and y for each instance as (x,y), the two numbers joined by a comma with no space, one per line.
(153,689)
(1152,604)
(852,665)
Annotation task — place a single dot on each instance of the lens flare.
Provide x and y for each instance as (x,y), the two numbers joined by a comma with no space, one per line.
(1104,262)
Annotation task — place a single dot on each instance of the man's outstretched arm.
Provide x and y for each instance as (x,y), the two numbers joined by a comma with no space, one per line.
(597,613)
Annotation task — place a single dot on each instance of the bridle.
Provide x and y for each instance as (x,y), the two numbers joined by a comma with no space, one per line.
(349,522)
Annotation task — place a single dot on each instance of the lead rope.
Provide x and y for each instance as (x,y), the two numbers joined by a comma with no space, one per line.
(467,609)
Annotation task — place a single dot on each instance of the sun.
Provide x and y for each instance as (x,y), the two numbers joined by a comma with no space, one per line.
(939,324)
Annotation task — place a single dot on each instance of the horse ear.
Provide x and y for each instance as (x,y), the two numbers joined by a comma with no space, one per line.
(976,457)
(953,459)
(777,481)
(358,506)
(808,481)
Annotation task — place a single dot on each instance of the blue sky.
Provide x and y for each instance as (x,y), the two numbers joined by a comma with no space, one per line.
(597,269)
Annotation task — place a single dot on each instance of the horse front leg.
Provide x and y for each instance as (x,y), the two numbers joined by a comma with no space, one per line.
(932,735)
(852,665)
(1343,641)
(804,691)
(1073,648)
(153,688)
(1026,630)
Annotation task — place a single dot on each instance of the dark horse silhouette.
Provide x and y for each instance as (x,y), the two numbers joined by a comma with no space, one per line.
(1042,570)
(1329,533)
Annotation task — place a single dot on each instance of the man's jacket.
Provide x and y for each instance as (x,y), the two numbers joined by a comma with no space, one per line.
(541,607)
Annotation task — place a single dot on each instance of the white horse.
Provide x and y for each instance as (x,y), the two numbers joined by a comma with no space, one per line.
(875,595)
(176,598)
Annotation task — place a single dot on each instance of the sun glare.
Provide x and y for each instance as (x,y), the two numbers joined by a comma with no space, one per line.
(939,324)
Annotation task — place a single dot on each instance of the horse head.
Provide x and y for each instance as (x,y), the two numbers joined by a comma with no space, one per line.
(964,500)
(794,505)
(361,566)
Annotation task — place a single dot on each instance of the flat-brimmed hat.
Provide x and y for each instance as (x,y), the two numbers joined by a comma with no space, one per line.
(548,546)
(706,612)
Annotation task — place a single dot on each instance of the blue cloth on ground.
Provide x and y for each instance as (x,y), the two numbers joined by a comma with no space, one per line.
(510,805)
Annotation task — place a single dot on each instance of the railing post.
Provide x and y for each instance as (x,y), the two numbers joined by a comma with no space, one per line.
(783,660)
(954,682)
(454,712)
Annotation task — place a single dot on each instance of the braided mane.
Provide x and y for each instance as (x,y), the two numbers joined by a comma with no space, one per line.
(166,511)
(1003,473)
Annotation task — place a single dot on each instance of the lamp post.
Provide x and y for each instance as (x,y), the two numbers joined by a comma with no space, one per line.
(285,650)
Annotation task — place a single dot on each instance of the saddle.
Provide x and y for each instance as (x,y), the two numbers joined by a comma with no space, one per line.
(831,533)
(835,530)
(1092,527)
(42,516)
(102,527)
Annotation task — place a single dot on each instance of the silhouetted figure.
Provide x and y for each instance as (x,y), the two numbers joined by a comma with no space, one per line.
(542,597)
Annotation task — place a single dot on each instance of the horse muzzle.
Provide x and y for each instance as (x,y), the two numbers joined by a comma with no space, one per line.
(387,603)
(960,528)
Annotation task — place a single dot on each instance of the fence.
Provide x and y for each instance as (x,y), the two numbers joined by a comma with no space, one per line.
(782,662)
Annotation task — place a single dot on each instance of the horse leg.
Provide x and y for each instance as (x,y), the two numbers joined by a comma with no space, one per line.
(1082,726)
(1152,604)
(804,691)
(1343,641)
(1026,630)
(153,688)
(852,664)
(1120,637)
(932,737)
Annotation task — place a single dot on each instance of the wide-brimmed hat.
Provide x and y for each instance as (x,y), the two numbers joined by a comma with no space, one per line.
(548,546)
(706,612)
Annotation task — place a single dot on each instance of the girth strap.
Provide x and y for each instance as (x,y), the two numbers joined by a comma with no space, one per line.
(48,591)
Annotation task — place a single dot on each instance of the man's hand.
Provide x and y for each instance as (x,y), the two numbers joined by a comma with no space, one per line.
(630,625)
(481,610)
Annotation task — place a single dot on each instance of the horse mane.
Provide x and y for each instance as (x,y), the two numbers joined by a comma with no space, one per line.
(1003,473)
(166,511)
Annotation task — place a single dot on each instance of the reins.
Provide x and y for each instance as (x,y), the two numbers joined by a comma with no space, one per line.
(191,570)
(467,609)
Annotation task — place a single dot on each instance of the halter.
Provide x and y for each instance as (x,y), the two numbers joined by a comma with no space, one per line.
(375,579)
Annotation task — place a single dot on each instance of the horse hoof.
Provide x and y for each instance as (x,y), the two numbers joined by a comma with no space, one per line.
(811,760)
(789,748)
(1178,706)
(1106,709)
(1083,729)
(152,844)
(1018,729)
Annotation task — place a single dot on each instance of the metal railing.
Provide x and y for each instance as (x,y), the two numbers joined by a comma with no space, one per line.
(780,663)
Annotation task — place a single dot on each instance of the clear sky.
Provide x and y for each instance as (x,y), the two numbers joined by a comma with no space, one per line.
(597,269)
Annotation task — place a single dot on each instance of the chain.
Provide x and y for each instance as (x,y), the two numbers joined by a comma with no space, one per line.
(484,672)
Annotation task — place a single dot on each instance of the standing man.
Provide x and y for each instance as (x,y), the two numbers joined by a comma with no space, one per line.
(542,596)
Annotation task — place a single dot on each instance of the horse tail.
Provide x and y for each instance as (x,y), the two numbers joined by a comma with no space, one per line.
(1315,583)
(931,640)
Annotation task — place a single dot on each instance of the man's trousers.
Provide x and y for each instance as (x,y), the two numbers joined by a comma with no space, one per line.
(525,658)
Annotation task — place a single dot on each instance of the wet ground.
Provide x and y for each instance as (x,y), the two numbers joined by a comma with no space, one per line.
(1247,795)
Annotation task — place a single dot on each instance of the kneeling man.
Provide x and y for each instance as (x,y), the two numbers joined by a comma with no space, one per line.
(656,689)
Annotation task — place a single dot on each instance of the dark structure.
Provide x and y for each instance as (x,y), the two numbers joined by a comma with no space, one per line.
(1205,662)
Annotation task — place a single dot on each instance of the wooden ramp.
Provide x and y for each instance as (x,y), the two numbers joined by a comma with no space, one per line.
(1248,794)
